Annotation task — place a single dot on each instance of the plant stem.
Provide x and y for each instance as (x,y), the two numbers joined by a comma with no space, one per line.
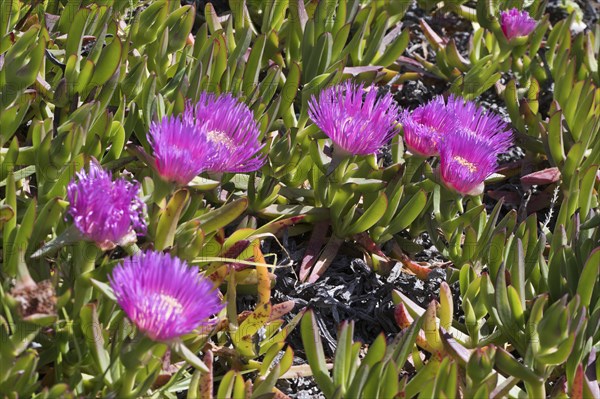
(131,249)
(337,167)
(537,390)
(84,259)
(128,383)
(132,360)
(411,166)
(162,190)
(466,12)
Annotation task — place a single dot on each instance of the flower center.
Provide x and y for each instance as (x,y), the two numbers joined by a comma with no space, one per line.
(217,136)
(171,304)
(469,165)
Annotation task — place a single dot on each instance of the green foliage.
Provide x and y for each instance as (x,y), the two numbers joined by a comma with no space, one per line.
(374,375)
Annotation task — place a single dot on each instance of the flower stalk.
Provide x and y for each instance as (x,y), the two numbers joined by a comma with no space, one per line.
(84,262)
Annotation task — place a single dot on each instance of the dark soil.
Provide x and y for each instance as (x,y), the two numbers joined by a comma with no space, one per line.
(300,388)
(556,11)
(590,9)
(349,290)
(221,7)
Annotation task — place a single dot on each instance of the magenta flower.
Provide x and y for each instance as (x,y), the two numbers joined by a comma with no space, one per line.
(231,130)
(105,211)
(516,23)
(355,126)
(181,150)
(475,121)
(427,125)
(163,296)
(465,162)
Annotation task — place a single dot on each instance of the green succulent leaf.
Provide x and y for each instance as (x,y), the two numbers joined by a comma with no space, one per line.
(311,338)
(167,223)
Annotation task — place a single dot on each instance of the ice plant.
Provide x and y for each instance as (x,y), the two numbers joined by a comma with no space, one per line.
(355,126)
(465,162)
(230,129)
(163,296)
(181,149)
(105,211)
(473,120)
(516,23)
(425,127)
